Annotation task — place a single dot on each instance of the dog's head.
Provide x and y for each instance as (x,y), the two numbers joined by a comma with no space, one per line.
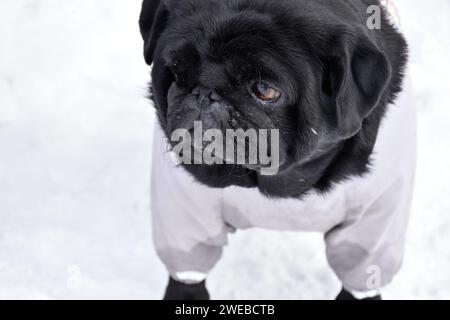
(295,66)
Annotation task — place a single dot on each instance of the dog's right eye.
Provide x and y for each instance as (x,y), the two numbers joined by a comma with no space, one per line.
(265,92)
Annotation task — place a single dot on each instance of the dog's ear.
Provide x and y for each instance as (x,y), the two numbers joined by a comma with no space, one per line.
(152,22)
(356,74)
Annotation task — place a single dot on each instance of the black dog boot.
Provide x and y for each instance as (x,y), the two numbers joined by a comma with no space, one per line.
(345,295)
(180,291)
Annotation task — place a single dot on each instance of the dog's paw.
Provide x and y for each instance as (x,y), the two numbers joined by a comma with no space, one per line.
(180,291)
(345,295)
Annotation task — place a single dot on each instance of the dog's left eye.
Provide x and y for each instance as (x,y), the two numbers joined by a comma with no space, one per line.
(265,92)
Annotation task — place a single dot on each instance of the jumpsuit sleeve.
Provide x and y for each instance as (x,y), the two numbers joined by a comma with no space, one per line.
(366,250)
(188,229)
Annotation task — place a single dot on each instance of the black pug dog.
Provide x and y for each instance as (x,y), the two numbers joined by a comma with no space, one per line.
(293,65)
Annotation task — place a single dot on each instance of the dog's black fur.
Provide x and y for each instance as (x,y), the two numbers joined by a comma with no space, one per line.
(337,78)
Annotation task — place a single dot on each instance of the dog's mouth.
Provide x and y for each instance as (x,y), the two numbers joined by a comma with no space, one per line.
(221,148)
(210,131)
(193,151)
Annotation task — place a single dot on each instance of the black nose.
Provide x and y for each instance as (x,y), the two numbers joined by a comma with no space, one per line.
(205,93)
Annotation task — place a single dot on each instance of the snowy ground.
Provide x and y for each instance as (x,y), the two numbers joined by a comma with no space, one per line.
(75,146)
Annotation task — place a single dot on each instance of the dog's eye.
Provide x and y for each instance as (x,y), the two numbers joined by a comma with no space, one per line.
(265,92)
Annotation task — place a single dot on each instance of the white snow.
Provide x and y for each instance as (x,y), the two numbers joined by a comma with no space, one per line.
(75,149)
